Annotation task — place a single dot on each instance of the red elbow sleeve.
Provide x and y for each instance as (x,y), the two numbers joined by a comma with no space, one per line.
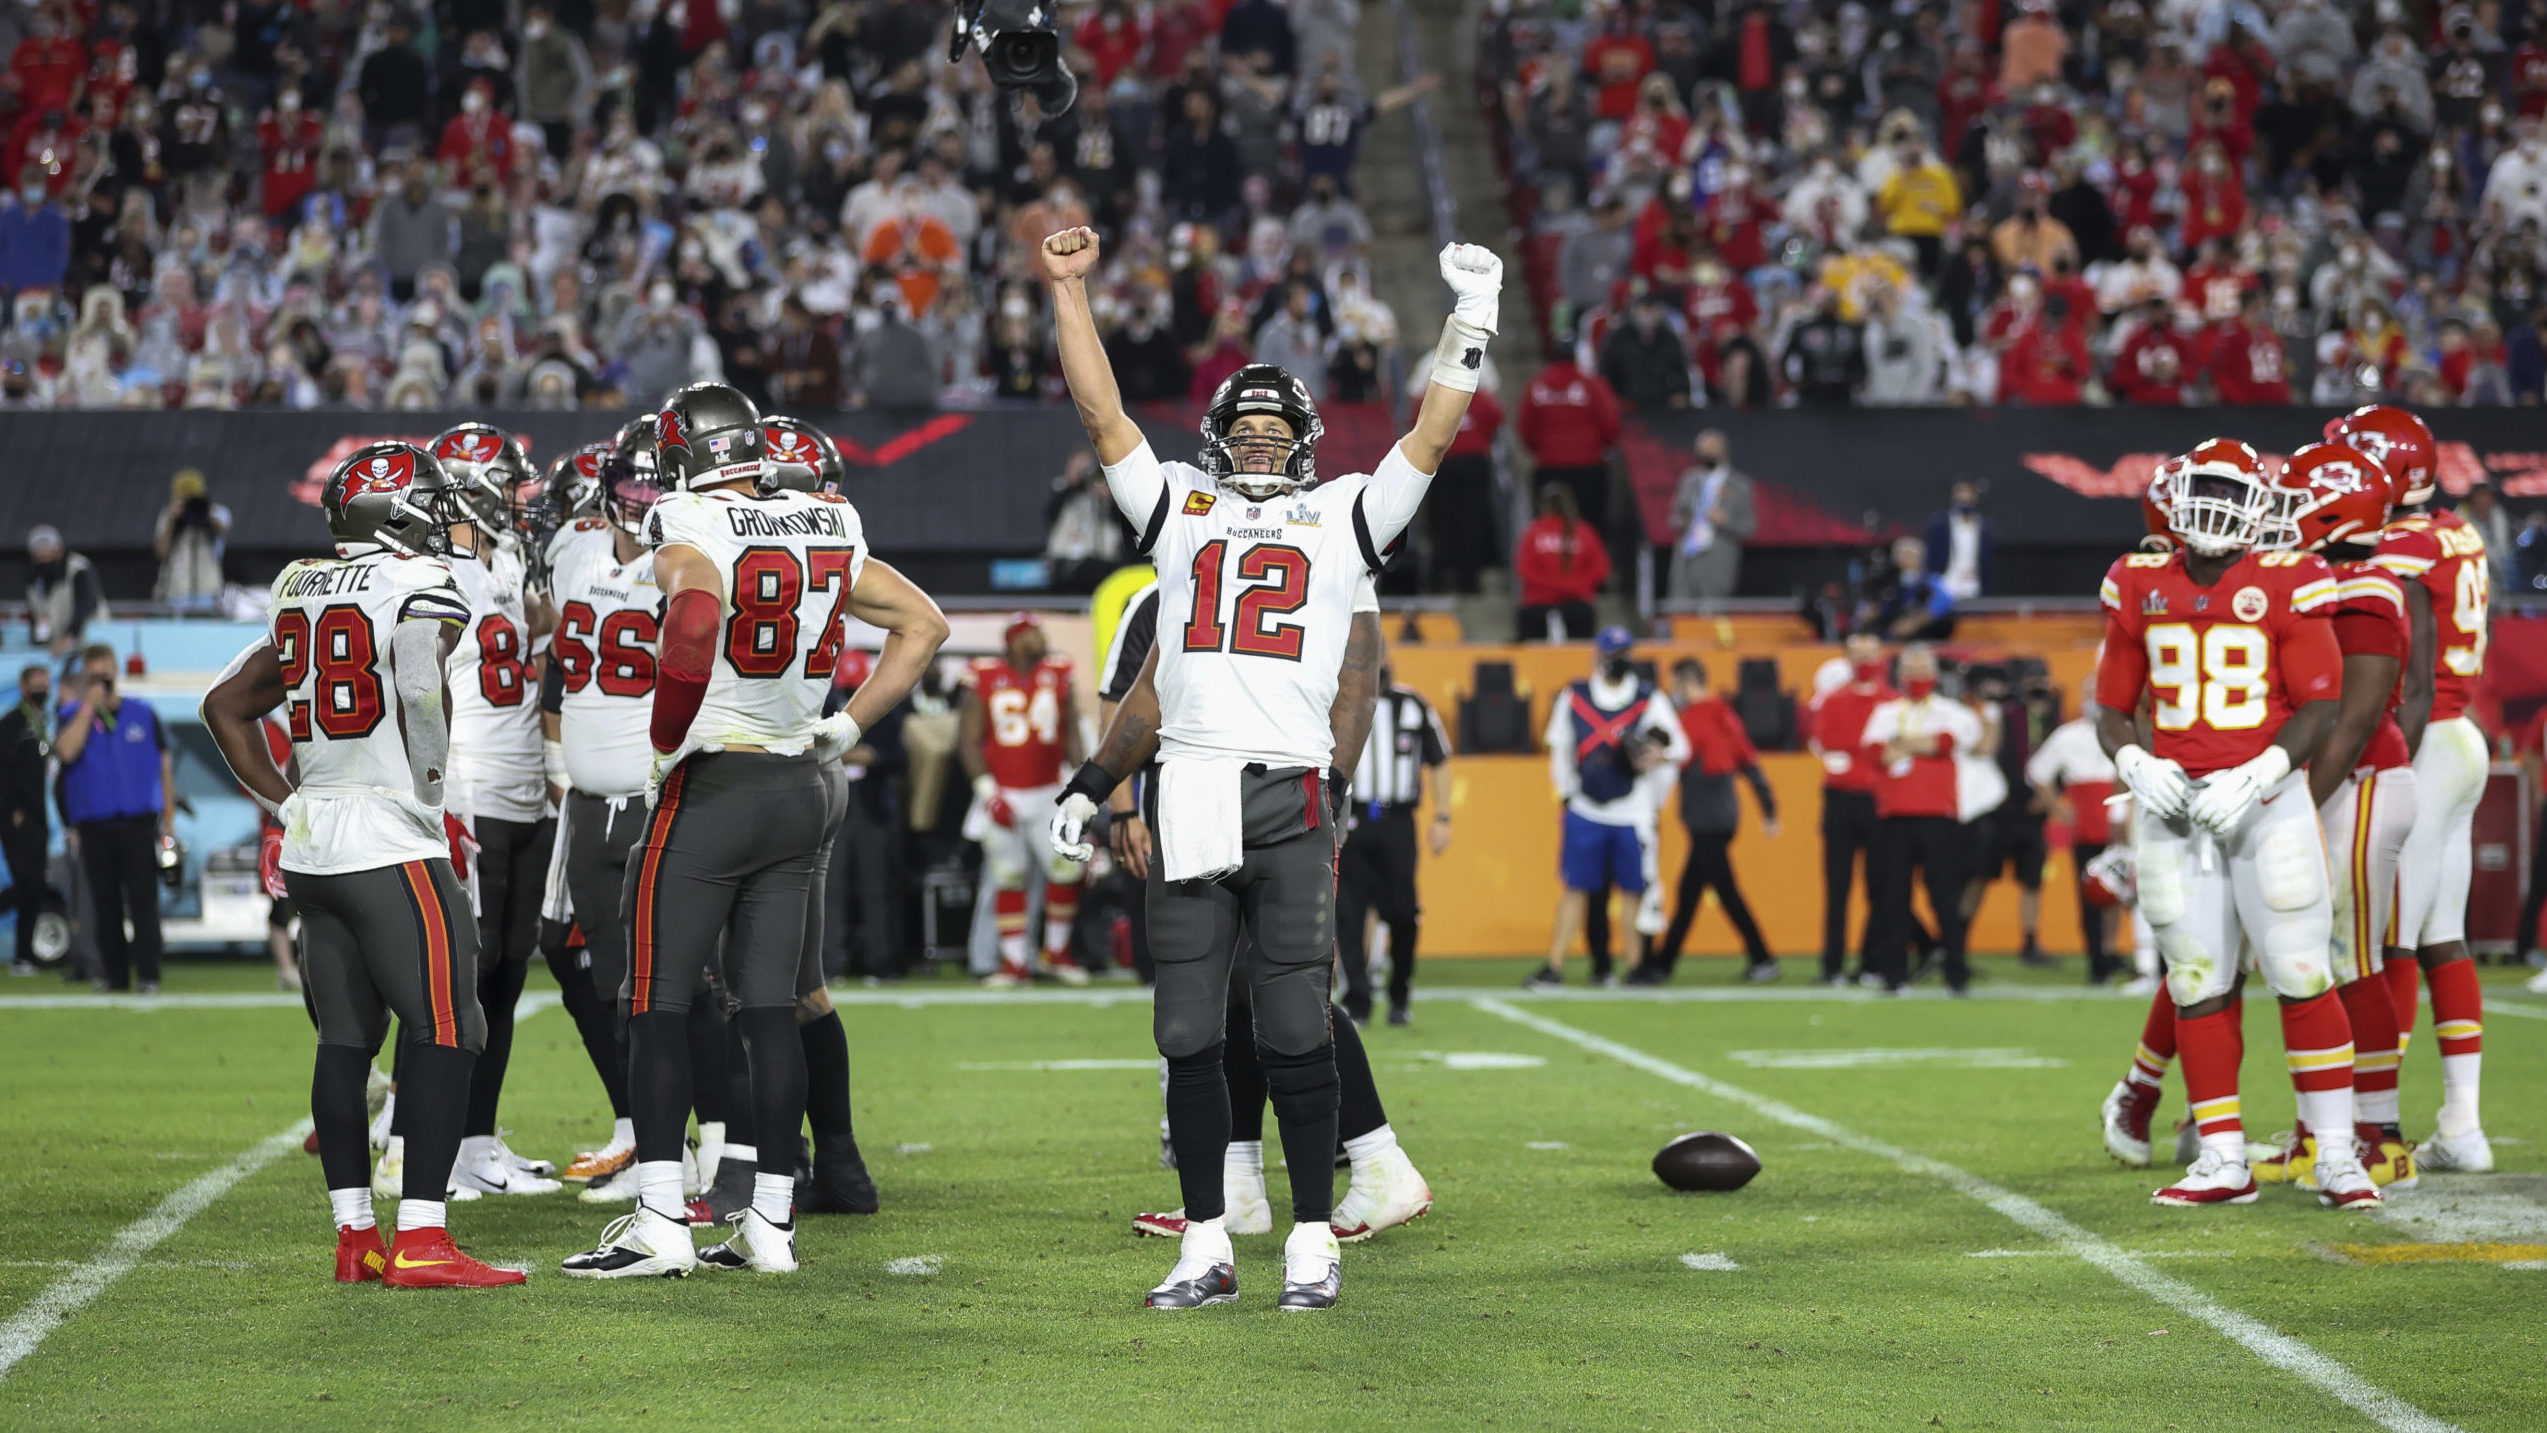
(681,674)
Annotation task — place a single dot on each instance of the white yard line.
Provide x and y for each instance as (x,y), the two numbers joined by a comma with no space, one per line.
(2276,1348)
(27,1329)
(1128,994)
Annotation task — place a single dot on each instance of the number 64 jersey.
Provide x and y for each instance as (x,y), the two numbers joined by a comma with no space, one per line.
(330,624)
(2225,665)
(787,562)
(1255,602)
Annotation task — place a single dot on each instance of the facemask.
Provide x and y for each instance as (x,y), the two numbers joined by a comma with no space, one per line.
(33,194)
(473,102)
(1616,668)
(1918,688)
(1865,671)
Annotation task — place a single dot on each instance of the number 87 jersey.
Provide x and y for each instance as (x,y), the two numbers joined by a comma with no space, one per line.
(2225,665)
(787,561)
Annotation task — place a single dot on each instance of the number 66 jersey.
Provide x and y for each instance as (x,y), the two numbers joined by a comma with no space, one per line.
(330,624)
(2225,665)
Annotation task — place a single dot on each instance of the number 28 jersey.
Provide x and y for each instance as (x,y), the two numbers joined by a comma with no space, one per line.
(330,623)
(787,561)
(496,769)
(1021,720)
(1255,602)
(2226,664)
(2441,551)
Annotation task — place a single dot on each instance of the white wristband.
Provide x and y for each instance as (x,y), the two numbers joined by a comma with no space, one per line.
(553,753)
(1460,358)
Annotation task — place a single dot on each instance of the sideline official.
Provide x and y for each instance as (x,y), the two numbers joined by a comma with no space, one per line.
(118,793)
(1405,753)
(1913,741)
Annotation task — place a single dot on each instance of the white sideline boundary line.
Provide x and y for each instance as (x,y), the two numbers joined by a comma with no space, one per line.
(2273,1347)
(27,1329)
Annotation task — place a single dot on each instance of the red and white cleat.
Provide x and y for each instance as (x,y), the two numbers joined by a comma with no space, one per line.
(427,1259)
(1170,1225)
(2128,1107)
(1383,1196)
(1011,975)
(2212,1178)
(1066,970)
(360,1256)
(2346,1186)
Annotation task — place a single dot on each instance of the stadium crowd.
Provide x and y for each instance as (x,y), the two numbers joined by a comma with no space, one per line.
(570,204)
(1737,202)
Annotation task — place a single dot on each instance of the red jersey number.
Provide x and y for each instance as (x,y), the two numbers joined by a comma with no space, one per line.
(336,656)
(769,582)
(503,675)
(571,648)
(1280,578)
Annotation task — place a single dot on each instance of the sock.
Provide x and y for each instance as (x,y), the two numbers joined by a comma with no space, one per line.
(2373,1013)
(1206,1243)
(336,1112)
(2458,1022)
(352,1207)
(1198,1129)
(420,1214)
(2211,1046)
(742,1116)
(499,990)
(623,1133)
(1364,1148)
(2403,975)
(659,1189)
(709,1055)
(438,1083)
(1304,1101)
(777,1066)
(826,1046)
(2157,1042)
(1008,915)
(596,1021)
(1244,1161)
(1061,911)
(2317,1046)
(774,1197)
(1357,1110)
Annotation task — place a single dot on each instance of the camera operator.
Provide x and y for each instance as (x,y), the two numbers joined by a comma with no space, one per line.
(190,535)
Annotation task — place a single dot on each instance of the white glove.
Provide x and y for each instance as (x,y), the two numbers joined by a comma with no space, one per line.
(1475,277)
(656,771)
(2160,784)
(834,735)
(1070,828)
(2226,796)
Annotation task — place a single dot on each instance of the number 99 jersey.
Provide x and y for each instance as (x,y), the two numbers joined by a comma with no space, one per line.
(496,768)
(787,562)
(1255,602)
(330,624)
(2226,664)
(2444,553)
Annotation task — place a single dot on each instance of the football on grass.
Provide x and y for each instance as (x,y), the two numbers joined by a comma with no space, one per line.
(1706,1161)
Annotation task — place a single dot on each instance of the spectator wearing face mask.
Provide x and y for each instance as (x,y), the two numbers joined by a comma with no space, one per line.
(35,237)
(1644,361)
(1959,550)
(1713,512)
(2248,365)
(2031,237)
(556,79)
(2516,187)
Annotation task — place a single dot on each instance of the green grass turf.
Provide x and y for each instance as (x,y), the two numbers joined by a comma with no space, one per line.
(1546,1290)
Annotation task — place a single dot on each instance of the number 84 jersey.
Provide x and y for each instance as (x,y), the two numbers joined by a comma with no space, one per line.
(2225,665)
(496,767)
(1255,603)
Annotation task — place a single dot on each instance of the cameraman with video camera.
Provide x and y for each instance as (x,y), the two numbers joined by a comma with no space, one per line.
(191,533)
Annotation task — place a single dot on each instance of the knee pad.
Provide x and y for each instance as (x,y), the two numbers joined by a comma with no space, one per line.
(2292,955)
(1302,1074)
(1004,860)
(2161,883)
(1291,1019)
(1185,1030)
(2290,870)
(2193,973)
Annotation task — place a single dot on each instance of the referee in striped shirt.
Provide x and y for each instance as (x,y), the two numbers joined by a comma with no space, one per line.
(1405,753)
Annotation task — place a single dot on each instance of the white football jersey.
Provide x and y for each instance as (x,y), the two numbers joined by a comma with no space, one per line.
(496,768)
(788,561)
(609,617)
(331,622)
(576,541)
(1256,599)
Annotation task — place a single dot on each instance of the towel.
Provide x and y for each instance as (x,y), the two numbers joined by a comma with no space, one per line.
(554,903)
(1201,822)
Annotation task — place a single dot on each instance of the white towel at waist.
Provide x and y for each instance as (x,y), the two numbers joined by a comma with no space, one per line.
(1201,822)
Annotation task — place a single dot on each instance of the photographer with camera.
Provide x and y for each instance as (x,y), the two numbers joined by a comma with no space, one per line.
(190,535)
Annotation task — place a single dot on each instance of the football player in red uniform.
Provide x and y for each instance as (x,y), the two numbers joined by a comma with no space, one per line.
(1020,727)
(2333,501)
(2236,649)
(2440,559)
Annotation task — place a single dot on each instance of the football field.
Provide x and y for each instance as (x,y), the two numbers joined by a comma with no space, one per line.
(1937,1240)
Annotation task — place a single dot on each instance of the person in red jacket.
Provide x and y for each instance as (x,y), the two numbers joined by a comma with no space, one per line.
(478,142)
(1912,741)
(2155,364)
(2046,363)
(2248,368)
(1561,565)
(49,65)
(1569,421)
(1461,510)
(291,138)
(2214,196)
(1834,721)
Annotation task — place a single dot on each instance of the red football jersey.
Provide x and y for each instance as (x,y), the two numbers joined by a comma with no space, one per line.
(1021,720)
(2227,664)
(2439,550)
(2370,618)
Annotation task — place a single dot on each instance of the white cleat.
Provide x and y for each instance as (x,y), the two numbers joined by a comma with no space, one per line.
(1386,1193)
(1312,1269)
(1245,1208)
(491,1175)
(619,1187)
(2537,984)
(2467,1153)
(2126,1120)
(389,1175)
(541,1167)
(2212,1178)
(757,1244)
(2344,1186)
(643,1245)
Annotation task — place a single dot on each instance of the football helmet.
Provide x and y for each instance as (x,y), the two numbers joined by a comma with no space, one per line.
(2400,441)
(486,465)
(392,495)
(2218,503)
(799,457)
(707,433)
(2153,505)
(1262,388)
(630,491)
(2325,494)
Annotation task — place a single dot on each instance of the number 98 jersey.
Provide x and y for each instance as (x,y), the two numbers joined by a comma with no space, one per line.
(330,624)
(787,561)
(2225,665)
(496,768)
(1255,602)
